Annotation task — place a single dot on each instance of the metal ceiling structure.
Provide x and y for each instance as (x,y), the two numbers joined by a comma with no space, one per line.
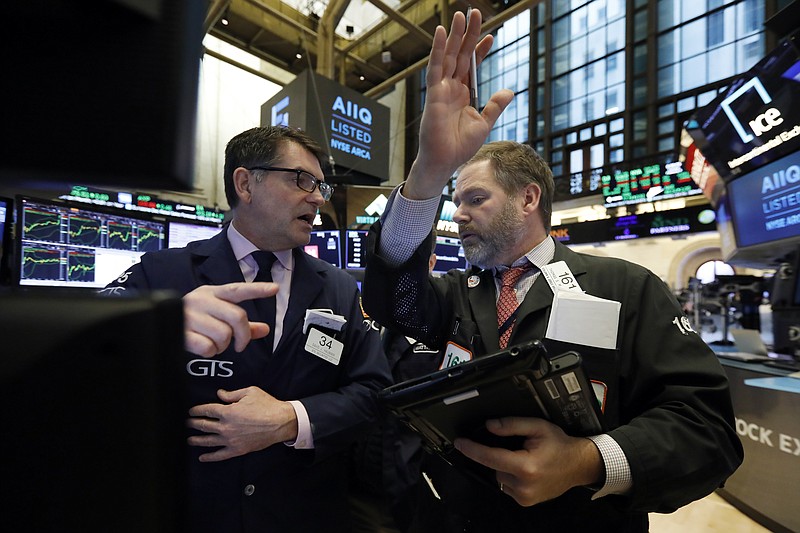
(277,33)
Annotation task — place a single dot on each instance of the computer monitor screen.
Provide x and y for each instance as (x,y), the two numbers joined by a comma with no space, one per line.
(444,220)
(179,234)
(356,249)
(62,245)
(760,220)
(326,245)
(96,399)
(5,244)
(449,254)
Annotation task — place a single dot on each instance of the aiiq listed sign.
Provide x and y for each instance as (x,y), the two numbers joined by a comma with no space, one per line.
(352,128)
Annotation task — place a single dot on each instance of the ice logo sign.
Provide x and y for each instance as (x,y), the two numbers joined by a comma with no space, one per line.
(760,124)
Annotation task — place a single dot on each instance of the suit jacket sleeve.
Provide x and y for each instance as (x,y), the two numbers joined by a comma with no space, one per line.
(394,296)
(339,416)
(675,412)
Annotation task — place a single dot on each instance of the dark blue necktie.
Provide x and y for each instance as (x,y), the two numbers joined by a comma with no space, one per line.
(265,307)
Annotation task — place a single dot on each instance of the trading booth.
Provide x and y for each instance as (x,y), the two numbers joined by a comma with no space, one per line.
(745,155)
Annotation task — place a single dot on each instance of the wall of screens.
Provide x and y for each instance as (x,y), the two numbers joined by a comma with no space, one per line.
(59,244)
(62,243)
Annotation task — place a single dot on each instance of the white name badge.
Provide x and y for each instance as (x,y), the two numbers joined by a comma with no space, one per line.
(560,277)
(324,346)
(455,355)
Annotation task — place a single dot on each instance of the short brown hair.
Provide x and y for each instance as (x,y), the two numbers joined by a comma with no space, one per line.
(515,166)
(259,147)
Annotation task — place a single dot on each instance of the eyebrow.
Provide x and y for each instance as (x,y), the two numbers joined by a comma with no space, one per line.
(470,190)
(301,169)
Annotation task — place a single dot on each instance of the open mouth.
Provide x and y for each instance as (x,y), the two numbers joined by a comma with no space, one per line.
(309,219)
(467,235)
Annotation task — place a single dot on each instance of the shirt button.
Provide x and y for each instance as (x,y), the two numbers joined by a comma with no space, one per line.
(249,490)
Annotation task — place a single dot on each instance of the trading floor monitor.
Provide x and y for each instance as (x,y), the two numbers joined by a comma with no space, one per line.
(60,244)
(94,412)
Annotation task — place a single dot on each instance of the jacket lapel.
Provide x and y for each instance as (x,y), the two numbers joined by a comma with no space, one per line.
(216,264)
(483,301)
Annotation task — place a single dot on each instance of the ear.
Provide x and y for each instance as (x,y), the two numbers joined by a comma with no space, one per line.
(431,262)
(531,195)
(243,180)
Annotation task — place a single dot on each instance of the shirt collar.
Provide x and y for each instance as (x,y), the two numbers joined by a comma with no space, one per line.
(541,255)
(242,248)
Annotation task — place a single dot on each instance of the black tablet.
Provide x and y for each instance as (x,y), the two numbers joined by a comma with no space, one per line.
(518,381)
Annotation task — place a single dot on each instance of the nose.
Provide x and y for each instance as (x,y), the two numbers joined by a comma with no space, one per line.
(460,215)
(315,197)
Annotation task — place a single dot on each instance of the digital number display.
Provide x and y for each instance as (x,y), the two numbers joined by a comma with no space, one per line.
(647,183)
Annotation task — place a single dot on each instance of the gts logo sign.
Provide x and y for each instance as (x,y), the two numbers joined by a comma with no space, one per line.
(210,368)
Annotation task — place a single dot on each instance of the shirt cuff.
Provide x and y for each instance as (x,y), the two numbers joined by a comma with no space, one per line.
(406,223)
(304,440)
(618,471)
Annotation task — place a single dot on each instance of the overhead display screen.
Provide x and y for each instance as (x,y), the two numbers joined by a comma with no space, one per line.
(143,203)
(692,219)
(647,183)
(351,127)
(577,185)
(765,204)
(756,120)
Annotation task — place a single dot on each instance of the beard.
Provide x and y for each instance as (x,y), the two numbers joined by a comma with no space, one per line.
(504,230)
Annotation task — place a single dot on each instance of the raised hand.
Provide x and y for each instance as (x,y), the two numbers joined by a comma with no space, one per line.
(451,130)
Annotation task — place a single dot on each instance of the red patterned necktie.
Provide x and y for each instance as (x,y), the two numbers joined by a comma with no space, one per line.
(507,302)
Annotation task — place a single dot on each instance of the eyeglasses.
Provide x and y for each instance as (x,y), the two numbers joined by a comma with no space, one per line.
(305,181)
